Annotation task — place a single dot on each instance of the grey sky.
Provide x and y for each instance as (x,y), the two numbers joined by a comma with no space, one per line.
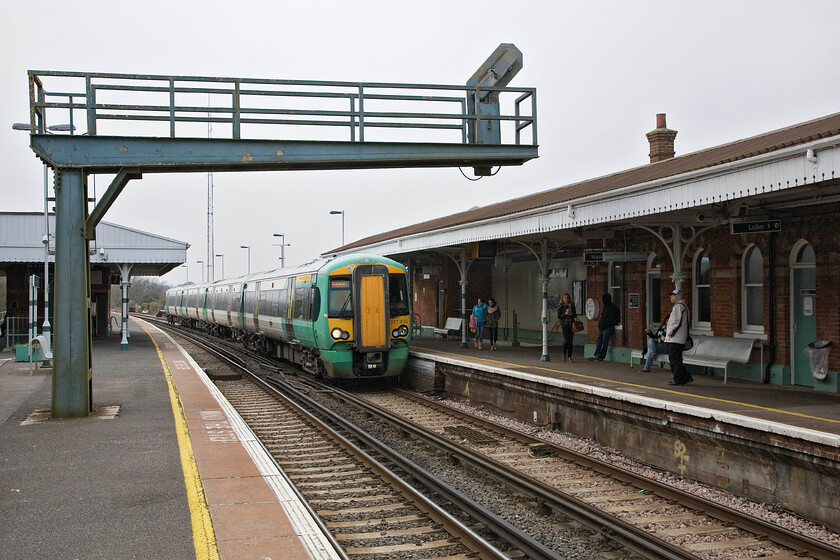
(721,70)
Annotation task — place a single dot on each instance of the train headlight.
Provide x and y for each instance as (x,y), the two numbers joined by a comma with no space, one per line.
(400,331)
(339,334)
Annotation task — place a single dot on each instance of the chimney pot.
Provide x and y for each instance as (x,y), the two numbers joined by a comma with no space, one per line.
(660,120)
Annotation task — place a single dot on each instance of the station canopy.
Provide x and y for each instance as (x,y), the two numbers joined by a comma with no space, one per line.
(22,234)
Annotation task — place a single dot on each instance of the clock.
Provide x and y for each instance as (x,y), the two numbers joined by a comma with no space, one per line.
(593,308)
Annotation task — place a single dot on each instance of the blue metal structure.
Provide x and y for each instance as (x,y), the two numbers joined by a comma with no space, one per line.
(134,124)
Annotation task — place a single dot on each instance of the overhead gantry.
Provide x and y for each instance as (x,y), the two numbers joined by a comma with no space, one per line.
(136,124)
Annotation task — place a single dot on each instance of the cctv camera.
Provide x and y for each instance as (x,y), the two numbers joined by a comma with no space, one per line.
(101,251)
(701,218)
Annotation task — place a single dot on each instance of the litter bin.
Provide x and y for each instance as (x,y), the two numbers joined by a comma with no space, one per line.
(817,353)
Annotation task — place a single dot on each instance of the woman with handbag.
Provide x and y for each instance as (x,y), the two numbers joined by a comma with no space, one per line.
(567,314)
(492,316)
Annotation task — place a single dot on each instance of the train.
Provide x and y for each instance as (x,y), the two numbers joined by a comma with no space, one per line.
(340,317)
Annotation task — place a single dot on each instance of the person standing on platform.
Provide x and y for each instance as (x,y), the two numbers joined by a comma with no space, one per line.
(567,314)
(478,310)
(610,319)
(676,333)
(492,316)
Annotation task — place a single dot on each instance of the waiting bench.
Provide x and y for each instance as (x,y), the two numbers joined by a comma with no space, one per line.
(452,324)
(711,351)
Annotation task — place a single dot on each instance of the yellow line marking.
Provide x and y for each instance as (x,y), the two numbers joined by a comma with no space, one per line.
(204,538)
(715,399)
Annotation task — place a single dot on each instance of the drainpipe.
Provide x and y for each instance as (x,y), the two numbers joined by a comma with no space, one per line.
(771,339)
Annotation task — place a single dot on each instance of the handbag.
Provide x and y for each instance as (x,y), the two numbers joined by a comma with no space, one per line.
(577,325)
(689,344)
(472,321)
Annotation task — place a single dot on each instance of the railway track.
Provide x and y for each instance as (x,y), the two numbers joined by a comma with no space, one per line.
(643,516)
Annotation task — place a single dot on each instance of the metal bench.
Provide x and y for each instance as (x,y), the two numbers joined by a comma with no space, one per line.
(452,324)
(711,352)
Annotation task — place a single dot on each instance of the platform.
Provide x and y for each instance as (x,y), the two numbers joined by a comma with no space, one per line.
(163,468)
(800,408)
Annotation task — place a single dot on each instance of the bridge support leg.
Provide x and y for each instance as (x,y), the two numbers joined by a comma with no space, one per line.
(72,375)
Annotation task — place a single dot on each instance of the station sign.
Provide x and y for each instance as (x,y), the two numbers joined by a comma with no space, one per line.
(593,258)
(767,226)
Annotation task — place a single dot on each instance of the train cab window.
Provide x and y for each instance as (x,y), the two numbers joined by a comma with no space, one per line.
(397,295)
(340,298)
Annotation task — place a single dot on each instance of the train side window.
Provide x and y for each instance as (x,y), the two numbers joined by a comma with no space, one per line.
(340,298)
(283,303)
(315,304)
(397,295)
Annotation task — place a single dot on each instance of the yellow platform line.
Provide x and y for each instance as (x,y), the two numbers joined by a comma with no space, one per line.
(592,377)
(204,537)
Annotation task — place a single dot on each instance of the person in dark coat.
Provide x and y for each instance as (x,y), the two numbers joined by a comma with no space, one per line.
(610,318)
(567,314)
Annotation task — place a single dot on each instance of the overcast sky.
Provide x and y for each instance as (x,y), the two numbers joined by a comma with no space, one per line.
(721,70)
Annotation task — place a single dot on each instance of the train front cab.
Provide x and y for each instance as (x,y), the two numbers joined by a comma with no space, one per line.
(368,313)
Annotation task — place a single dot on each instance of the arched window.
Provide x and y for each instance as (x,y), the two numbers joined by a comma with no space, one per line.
(752,291)
(702,286)
(654,290)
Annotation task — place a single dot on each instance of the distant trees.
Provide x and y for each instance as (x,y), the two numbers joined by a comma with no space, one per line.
(145,292)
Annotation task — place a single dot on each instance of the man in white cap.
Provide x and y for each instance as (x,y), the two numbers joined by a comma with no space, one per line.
(676,333)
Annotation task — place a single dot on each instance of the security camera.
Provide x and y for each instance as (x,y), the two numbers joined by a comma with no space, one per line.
(101,251)
(701,218)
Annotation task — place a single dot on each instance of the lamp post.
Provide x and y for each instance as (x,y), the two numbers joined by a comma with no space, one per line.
(249,256)
(202,270)
(187,281)
(283,246)
(342,223)
(223,264)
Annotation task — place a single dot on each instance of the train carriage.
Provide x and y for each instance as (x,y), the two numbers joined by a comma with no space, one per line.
(340,317)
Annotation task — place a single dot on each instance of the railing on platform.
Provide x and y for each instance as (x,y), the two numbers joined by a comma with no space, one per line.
(184,107)
(17,332)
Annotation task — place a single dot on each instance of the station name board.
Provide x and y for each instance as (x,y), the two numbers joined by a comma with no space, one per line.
(767,226)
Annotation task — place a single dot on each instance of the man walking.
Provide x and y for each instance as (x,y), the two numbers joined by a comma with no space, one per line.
(676,333)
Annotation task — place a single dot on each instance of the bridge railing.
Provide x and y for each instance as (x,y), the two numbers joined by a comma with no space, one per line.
(98,104)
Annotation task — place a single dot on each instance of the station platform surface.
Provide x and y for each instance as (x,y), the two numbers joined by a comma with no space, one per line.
(795,410)
(160,470)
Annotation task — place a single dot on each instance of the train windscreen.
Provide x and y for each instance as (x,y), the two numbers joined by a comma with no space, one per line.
(340,298)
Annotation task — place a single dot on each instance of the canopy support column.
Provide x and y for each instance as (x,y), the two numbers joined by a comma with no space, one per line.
(72,394)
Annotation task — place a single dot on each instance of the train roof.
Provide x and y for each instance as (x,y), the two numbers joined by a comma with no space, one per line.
(310,267)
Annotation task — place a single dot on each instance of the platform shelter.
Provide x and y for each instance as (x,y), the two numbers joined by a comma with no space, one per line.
(117,254)
(748,230)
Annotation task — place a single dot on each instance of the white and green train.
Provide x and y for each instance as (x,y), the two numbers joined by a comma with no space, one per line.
(341,317)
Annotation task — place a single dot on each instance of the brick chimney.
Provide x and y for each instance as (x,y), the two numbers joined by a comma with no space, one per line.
(661,140)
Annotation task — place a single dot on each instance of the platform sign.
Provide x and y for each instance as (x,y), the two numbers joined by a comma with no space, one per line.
(767,226)
(592,258)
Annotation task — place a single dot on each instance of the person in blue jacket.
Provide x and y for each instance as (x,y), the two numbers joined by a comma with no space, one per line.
(478,310)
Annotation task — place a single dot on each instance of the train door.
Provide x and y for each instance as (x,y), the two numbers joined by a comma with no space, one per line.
(804,312)
(370,284)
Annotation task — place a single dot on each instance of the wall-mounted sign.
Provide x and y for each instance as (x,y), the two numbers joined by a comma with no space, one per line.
(808,292)
(767,226)
(633,301)
(593,258)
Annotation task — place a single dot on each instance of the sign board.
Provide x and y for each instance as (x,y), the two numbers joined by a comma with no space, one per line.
(767,226)
(634,300)
(593,258)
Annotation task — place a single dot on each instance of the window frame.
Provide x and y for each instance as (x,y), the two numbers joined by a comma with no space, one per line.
(696,286)
(747,327)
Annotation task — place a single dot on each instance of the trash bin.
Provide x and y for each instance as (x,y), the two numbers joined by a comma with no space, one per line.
(817,353)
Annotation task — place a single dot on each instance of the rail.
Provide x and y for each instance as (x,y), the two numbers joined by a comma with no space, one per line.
(189,106)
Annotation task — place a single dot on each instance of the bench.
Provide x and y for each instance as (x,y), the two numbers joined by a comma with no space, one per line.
(711,352)
(452,324)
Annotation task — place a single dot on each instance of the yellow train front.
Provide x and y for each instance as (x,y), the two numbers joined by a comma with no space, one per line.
(344,317)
